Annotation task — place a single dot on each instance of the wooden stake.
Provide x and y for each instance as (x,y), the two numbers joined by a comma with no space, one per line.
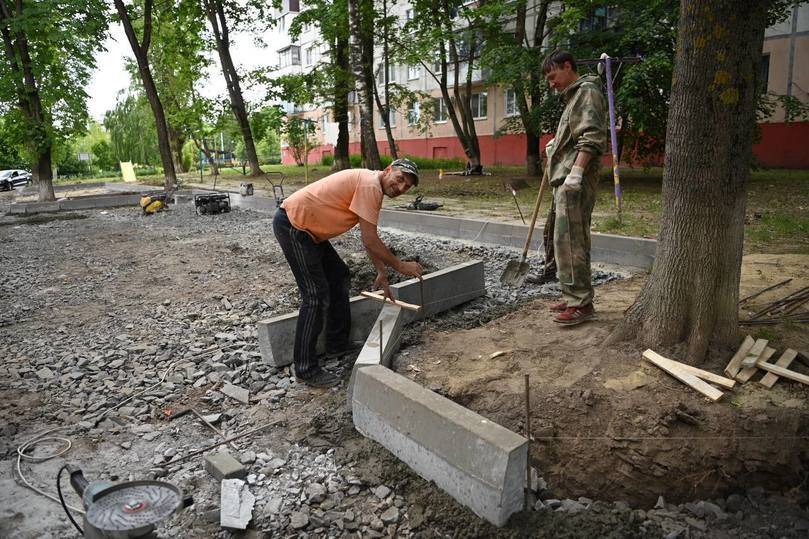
(528,436)
(745,374)
(699,373)
(736,361)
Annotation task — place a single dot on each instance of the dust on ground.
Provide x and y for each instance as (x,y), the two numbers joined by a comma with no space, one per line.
(612,427)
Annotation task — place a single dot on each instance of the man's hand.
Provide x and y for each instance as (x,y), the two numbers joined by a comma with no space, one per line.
(413,269)
(574,178)
(381,281)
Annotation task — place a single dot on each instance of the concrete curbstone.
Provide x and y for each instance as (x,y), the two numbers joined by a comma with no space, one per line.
(276,336)
(623,250)
(478,462)
(392,320)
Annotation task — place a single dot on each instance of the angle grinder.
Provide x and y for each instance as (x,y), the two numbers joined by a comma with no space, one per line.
(125,510)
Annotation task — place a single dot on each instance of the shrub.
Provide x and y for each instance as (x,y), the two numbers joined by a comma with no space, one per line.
(327,160)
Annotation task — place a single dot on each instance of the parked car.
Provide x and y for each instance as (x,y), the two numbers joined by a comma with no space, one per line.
(9,179)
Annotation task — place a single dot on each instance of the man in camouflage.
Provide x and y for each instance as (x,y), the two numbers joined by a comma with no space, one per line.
(573,165)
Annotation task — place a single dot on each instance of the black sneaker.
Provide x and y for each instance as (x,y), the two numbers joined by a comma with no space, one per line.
(319,378)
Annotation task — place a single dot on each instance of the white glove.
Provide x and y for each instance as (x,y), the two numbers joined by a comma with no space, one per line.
(549,147)
(573,180)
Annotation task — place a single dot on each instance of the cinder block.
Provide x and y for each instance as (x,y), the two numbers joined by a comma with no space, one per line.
(476,461)
(443,289)
(222,465)
(276,336)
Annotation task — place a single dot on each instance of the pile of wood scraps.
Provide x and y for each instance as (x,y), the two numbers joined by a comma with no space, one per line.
(751,358)
(790,308)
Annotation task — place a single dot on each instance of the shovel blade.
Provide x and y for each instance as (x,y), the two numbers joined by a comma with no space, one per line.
(515,273)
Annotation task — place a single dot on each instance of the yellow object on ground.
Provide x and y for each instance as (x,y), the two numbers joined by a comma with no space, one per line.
(128,171)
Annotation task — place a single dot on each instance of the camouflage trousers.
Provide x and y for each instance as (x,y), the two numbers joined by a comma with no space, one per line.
(571,243)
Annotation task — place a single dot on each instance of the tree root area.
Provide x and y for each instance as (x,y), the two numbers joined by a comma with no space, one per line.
(608,425)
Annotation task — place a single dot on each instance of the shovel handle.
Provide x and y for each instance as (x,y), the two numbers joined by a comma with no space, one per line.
(542,186)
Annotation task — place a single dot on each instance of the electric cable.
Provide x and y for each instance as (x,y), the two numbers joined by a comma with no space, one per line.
(62,499)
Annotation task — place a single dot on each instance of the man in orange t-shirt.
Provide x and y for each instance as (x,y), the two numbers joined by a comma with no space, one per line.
(303,226)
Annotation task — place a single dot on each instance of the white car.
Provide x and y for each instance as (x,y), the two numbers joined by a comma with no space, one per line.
(9,179)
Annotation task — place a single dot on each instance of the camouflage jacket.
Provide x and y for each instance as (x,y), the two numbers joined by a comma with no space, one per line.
(582,128)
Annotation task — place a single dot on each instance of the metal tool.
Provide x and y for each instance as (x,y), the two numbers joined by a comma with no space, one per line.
(125,510)
(277,188)
(516,271)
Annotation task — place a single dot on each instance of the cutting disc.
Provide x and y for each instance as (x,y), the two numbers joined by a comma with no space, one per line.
(132,506)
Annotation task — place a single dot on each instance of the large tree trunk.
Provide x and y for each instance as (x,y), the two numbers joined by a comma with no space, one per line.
(141,51)
(342,88)
(362,60)
(692,293)
(533,157)
(384,110)
(43,175)
(216,16)
(209,157)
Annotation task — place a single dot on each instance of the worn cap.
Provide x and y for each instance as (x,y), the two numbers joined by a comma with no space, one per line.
(408,166)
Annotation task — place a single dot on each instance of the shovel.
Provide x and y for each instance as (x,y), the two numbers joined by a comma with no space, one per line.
(517,270)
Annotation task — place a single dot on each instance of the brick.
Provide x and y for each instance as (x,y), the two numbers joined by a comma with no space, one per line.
(223,466)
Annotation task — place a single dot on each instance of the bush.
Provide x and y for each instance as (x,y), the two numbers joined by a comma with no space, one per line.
(355,160)
(327,160)
(424,163)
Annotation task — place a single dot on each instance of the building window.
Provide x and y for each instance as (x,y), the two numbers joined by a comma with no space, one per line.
(764,73)
(410,14)
(290,56)
(479,105)
(413,114)
(440,111)
(511,103)
(294,5)
(282,24)
(309,55)
(413,72)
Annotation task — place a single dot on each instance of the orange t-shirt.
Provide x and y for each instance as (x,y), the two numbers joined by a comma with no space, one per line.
(333,205)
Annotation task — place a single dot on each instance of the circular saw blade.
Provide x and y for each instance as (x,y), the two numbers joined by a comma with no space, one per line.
(133,506)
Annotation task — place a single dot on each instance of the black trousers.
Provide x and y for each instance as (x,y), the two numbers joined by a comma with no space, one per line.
(323,280)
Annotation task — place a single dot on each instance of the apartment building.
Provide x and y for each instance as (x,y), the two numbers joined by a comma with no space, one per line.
(785,67)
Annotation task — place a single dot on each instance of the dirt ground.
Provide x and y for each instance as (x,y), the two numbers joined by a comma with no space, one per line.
(609,425)
(88,288)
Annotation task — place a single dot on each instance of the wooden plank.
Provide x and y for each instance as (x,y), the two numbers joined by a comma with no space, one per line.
(736,361)
(784,361)
(687,378)
(745,374)
(380,297)
(783,373)
(754,354)
(699,373)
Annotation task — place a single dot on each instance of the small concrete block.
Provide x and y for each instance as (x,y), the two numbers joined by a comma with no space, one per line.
(476,461)
(236,507)
(223,466)
(276,336)
(235,392)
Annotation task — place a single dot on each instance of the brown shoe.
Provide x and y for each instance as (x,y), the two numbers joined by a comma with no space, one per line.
(558,307)
(575,315)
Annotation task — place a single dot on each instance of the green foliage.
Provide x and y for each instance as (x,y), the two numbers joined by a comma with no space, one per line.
(131,127)
(57,40)
(423,163)
(300,137)
(327,160)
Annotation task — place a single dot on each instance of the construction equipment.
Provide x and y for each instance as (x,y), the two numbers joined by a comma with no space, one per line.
(516,271)
(277,188)
(212,203)
(152,203)
(125,510)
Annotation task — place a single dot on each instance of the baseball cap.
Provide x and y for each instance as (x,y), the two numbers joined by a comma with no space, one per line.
(408,166)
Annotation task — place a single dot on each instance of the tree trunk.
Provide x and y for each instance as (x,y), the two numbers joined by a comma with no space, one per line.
(216,16)
(533,158)
(692,293)
(209,155)
(342,88)
(15,44)
(384,110)
(141,55)
(361,49)
(177,141)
